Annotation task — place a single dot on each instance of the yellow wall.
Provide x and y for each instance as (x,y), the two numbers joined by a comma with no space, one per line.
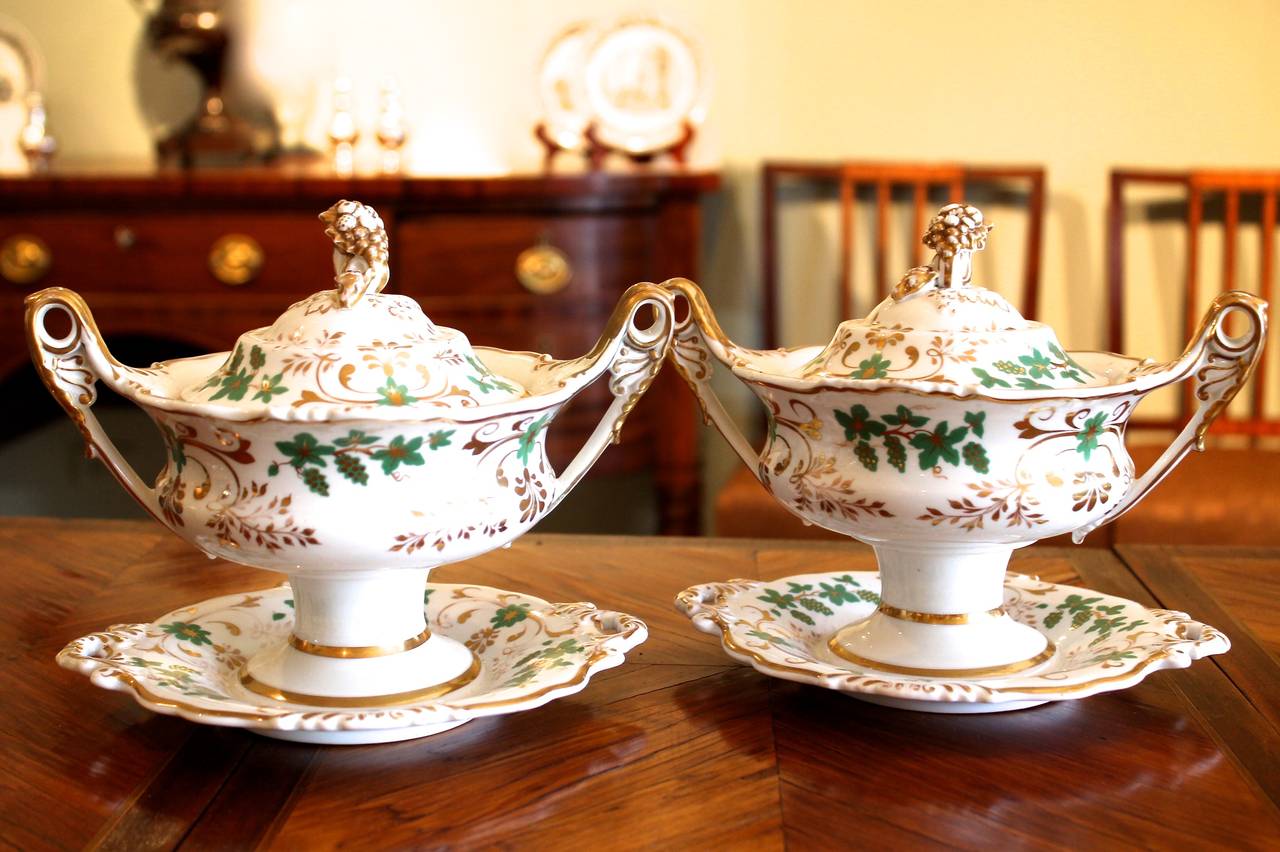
(1078,86)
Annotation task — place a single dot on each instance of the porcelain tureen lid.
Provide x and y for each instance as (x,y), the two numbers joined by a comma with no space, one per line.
(354,348)
(935,327)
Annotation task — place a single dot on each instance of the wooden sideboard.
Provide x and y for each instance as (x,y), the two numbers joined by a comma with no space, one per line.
(159,254)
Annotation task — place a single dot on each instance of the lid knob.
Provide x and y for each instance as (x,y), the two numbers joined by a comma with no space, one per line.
(360,250)
(955,232)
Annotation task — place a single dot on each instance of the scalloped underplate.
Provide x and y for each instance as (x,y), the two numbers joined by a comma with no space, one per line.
(1103,642)
(187,663)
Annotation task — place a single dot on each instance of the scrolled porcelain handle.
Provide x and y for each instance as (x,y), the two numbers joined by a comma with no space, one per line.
(1219,364)
(70,366)
(632,356)
(699,338)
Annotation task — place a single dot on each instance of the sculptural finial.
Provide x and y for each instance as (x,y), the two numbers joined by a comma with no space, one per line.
(955,232)
(360,249)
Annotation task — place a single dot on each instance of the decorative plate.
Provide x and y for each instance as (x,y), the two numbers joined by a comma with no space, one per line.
(188,662)
(21,74)
(644,80)
(562,88)
(1104,643)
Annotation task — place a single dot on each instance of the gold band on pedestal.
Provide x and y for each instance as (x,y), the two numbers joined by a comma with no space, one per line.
(411,697)
(351,652)
(939,617)
(986,671)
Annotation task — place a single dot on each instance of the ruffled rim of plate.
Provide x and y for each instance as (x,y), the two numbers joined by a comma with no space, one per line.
(620,633)
(709,607)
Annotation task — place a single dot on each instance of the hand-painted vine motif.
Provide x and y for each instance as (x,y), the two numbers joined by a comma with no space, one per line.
(193,658)
(1028,368)
(243,513)
(510,621)
(1004,501)
(1011,501)
(306,456)
(530,479)
(800,599)
(1127,638)
(816,478)
(422,365)
(904,428)
(1102,619)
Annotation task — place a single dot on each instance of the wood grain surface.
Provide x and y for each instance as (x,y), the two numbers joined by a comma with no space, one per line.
(679,747)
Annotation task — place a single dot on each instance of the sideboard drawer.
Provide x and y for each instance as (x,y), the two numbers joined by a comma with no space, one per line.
(477,253)
(170,253)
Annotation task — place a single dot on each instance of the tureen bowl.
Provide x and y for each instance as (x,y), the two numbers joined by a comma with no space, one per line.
(353,445)
(945,430)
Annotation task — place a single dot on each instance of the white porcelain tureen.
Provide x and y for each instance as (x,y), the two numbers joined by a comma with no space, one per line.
(945,430)
(353,445)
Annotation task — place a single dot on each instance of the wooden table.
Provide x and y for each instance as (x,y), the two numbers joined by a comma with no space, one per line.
(678,747)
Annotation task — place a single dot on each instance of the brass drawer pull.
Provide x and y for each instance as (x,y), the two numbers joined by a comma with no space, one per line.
(124,237)
(543,269)
(24,259)
(236,259)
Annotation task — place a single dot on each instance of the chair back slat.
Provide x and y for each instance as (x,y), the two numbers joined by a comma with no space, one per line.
(881,181)
(1230,225)
(1265,291)
(846,247)
(883,199)
(1205,190)
(919,201)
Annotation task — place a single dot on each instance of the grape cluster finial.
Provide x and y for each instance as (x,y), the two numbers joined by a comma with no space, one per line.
(361,249)
(957,227)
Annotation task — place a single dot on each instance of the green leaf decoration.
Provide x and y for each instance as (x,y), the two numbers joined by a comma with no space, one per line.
(904,417)
(270,387)
(273,469)
(315,479)
(276,616)
(939,445)
(509,615)
(838,594)
(426,596)
(357,438)
(234,386)
(187,632)
(527,439)
(875,367)
(1030,384)
(305,450)
(1038,366)
(399,452)
(352,468)
(1051,620)
(395,394)
(988,380)
(857,423)
(975,419)
(257,358)
(802,617)
(1087,438)
(436,440)
(237,358)
(775,598)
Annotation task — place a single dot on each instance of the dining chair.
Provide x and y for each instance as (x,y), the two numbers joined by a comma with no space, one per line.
(743,508)
(1226,496)
(884,183)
